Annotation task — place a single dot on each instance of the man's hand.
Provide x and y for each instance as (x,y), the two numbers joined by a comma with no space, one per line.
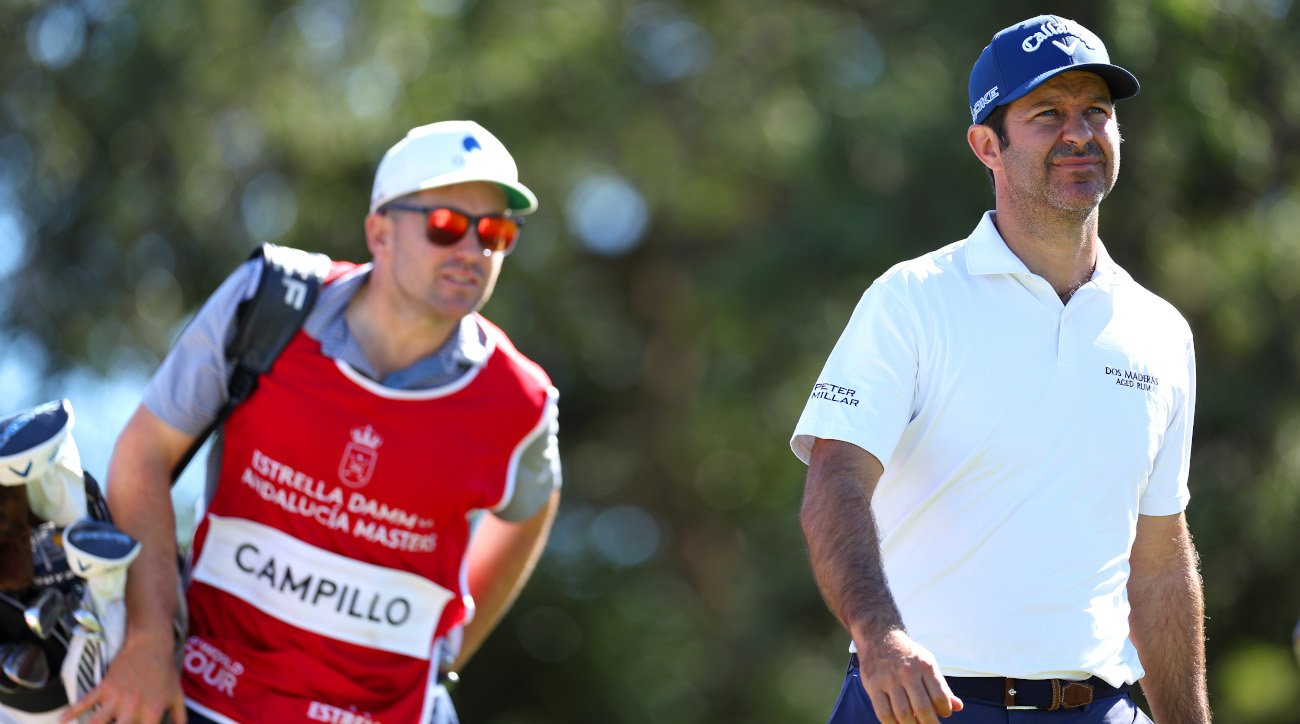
(142,683)
(903,682)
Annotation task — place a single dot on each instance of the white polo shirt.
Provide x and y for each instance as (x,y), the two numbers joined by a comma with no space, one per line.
(1020,438)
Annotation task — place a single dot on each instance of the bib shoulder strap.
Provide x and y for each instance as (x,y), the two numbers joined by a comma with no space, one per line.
(265,323)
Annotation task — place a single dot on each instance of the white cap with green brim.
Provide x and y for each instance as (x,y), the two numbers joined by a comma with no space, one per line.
(446,153)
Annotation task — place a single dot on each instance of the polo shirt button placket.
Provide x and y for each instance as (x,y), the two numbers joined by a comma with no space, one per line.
(1062,341)
(1066,352)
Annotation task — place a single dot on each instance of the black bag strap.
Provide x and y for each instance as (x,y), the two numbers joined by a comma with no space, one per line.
(265,323)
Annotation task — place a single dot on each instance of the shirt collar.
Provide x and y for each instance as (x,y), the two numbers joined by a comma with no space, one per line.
(987,253)
(1108,273)
(471,348)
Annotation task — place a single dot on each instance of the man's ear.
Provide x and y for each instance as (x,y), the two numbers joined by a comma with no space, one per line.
(378,233)
(984,143)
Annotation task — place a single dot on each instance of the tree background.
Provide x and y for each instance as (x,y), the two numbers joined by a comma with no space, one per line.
(719,181)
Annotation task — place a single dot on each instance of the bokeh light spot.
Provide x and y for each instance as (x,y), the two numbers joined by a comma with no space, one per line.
(607,214)
(56,36)
(268,206)
(625,535)
(665,45)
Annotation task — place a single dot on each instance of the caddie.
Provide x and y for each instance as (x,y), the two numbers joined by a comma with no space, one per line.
(385,490)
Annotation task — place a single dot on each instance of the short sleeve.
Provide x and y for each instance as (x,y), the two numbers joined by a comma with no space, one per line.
(866,392)
(189,387)
(1166,491)
(537,473)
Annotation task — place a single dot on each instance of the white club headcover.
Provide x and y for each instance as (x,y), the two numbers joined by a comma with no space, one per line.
(100,553)
(37,450)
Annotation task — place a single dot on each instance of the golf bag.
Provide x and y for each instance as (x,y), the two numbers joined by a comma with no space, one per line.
(62,568)
(62,562)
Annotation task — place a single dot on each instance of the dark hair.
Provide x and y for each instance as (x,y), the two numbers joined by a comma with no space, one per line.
(997,120)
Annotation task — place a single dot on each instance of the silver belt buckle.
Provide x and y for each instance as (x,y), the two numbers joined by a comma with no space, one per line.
(1011,692)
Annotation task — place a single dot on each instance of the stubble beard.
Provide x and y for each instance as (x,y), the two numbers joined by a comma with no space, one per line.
(1066,196)
(1047,198)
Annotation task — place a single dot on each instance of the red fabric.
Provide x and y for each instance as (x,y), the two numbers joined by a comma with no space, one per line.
(439,459)
(338,269)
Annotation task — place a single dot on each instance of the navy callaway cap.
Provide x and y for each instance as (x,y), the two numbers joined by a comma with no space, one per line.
(1024,55)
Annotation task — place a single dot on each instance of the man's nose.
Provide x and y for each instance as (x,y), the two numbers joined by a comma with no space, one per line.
(1077,130)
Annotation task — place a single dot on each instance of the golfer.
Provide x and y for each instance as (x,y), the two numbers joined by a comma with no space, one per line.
(998,444)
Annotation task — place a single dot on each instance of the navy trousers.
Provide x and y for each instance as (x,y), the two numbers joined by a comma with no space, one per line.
(853,707)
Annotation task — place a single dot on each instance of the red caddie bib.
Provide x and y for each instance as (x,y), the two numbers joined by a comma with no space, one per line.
(331,557)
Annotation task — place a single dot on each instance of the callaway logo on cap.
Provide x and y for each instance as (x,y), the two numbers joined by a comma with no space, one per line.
(446,153)
(1024,55)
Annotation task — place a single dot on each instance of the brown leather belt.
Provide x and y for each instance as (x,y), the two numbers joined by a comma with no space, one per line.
(1043,694)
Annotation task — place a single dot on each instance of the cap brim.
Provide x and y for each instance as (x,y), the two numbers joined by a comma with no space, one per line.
(519,198)
(1122,84)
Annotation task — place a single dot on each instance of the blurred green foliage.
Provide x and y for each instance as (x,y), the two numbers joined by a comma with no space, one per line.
(719,182)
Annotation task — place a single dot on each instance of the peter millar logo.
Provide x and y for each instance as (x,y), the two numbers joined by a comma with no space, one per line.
(359,457)
(834,393)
